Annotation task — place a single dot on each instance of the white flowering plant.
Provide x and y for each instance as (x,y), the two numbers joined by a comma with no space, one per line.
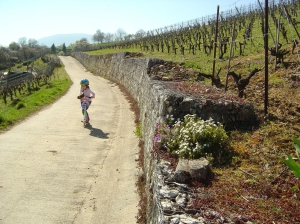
(192,138)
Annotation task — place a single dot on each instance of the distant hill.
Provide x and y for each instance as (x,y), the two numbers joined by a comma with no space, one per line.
(68,39)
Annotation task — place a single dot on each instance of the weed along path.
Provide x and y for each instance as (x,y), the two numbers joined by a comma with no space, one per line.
(53,170)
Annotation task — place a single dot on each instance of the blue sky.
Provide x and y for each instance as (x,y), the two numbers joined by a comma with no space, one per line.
(41,18)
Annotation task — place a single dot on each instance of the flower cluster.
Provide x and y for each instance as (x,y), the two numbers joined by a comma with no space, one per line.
(192,138)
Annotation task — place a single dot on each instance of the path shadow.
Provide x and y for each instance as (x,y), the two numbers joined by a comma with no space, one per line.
(97,132)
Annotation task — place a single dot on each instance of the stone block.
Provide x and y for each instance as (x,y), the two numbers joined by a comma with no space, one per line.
(198,169)
(181,174)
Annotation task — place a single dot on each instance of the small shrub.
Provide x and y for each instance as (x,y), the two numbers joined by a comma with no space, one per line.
(1,119)
(192,64)
(20,105)
(192,138)
(138,130)
(15,101)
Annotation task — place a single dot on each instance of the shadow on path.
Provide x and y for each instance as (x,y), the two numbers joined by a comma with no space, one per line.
(97,132)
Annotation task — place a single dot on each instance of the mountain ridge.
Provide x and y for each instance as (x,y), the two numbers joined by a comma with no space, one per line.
(60,39)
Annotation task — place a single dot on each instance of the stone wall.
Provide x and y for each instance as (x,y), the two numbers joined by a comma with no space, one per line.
(156,102)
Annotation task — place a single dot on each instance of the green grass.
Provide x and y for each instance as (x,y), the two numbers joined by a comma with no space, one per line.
(138,131)
(27,103)
(102,52)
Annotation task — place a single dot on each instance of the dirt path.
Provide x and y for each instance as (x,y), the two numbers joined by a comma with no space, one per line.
(53,170)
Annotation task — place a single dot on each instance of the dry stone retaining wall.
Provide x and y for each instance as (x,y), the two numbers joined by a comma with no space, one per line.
(156,102)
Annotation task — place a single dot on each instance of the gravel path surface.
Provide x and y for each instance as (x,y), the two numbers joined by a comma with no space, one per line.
(53,170)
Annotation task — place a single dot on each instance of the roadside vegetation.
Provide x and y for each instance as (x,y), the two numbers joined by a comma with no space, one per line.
(19,106)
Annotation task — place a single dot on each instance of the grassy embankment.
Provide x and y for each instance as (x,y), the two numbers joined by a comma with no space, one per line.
(25,104)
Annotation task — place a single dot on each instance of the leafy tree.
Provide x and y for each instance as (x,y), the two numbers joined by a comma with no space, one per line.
(53,49)
(64,49)
(83,40)
(81,45)
(98,36)
(4,58)
(32,43)
(13,46)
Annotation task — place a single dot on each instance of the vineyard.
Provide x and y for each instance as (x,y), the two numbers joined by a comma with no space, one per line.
(227,51)
(29,76)
(230,48)
(230,55)
(210,44)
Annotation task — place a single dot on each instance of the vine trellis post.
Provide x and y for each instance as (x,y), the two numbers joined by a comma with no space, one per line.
(266,14)
(230,52)
(266,27)
(215,47)
(277,39)
(288,17)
